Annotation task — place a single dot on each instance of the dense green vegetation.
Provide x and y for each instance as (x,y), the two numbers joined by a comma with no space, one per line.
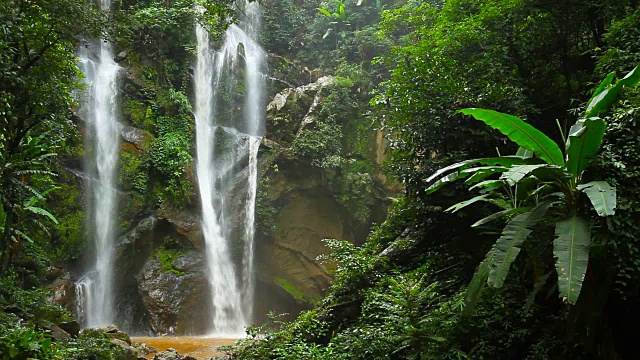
(410,292)
(42,213)
(522,249)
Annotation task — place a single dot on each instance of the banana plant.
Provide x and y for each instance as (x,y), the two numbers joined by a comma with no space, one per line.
(539,183)
(337,20)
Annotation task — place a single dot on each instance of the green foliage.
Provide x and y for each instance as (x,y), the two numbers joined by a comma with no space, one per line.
(31,305)
(24,342)
(167,255)
(265,212)
(320,144)
(290,288)
(541,185)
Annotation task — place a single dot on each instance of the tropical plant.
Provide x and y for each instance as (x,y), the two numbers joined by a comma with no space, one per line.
(539,183)
(338,20)
(28,164)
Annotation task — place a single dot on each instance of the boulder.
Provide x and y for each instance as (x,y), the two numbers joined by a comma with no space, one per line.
(185,223)
(113,333)
(172,354)
(62,290)
(71,327)
(127,352)
(175,301)
(138,137)
(58,334)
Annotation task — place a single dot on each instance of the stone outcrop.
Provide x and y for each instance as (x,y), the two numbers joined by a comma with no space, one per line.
(306,198)
(154,298)
(175,301)
(62,289)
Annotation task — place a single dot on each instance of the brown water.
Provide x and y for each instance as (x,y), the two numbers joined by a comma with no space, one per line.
(199,347)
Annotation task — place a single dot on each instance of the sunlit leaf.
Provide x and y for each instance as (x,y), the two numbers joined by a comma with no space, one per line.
(520,133)
(571,249)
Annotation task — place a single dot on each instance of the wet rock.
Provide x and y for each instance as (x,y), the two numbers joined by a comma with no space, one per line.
(62,290)
(127,352)
(185,223)
(143,349)
(58,334)
(175,300)
(172,354)
(121,56)
(71,327)
(113,333)
(138,137)
(294,108)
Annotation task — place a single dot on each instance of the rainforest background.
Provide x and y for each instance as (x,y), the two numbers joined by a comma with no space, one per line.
(403,68)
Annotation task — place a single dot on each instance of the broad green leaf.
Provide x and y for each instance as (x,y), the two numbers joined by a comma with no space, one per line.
(23,235)
(498,215)
(477,284)
(509,244)
(632,78)
(603,85)
(602,196)
(518,172)
(551,173)
(520,133)
(443,181)
(448,168)
(488,184)
(501,161)
(584,145)
(603,100)
(324,12)
(524,153)
(461,205)
(571,249)
(41,211)
(481,173)
(508,161)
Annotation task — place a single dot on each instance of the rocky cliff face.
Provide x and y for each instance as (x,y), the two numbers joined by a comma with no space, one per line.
(319,175)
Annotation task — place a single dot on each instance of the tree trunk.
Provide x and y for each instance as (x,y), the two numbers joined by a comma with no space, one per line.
(6,239)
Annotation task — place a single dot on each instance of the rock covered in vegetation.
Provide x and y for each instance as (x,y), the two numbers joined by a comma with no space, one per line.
(174,293)
(172,354)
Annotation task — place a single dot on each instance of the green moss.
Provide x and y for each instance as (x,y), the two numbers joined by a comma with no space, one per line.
(133,171)
(290,288)
(167,258)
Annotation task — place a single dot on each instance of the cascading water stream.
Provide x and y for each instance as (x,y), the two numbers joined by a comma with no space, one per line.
(225,140)
(95,289)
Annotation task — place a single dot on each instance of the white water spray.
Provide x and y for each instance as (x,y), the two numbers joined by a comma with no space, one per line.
(224,140)
(101,75)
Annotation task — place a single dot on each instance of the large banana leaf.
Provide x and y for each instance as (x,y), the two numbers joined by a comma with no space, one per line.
(509,244)
(442,182)
(584,143)
(602,101)
(498,215)
(482,172)
(602,196)
(603,85)
(448,168)
(571,249)
(520,133)
(551,173)
(488,185)
(477,284)
(463,204)
(518,172)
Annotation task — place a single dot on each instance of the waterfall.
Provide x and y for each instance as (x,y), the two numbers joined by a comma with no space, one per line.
(100,112)
(229,126)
